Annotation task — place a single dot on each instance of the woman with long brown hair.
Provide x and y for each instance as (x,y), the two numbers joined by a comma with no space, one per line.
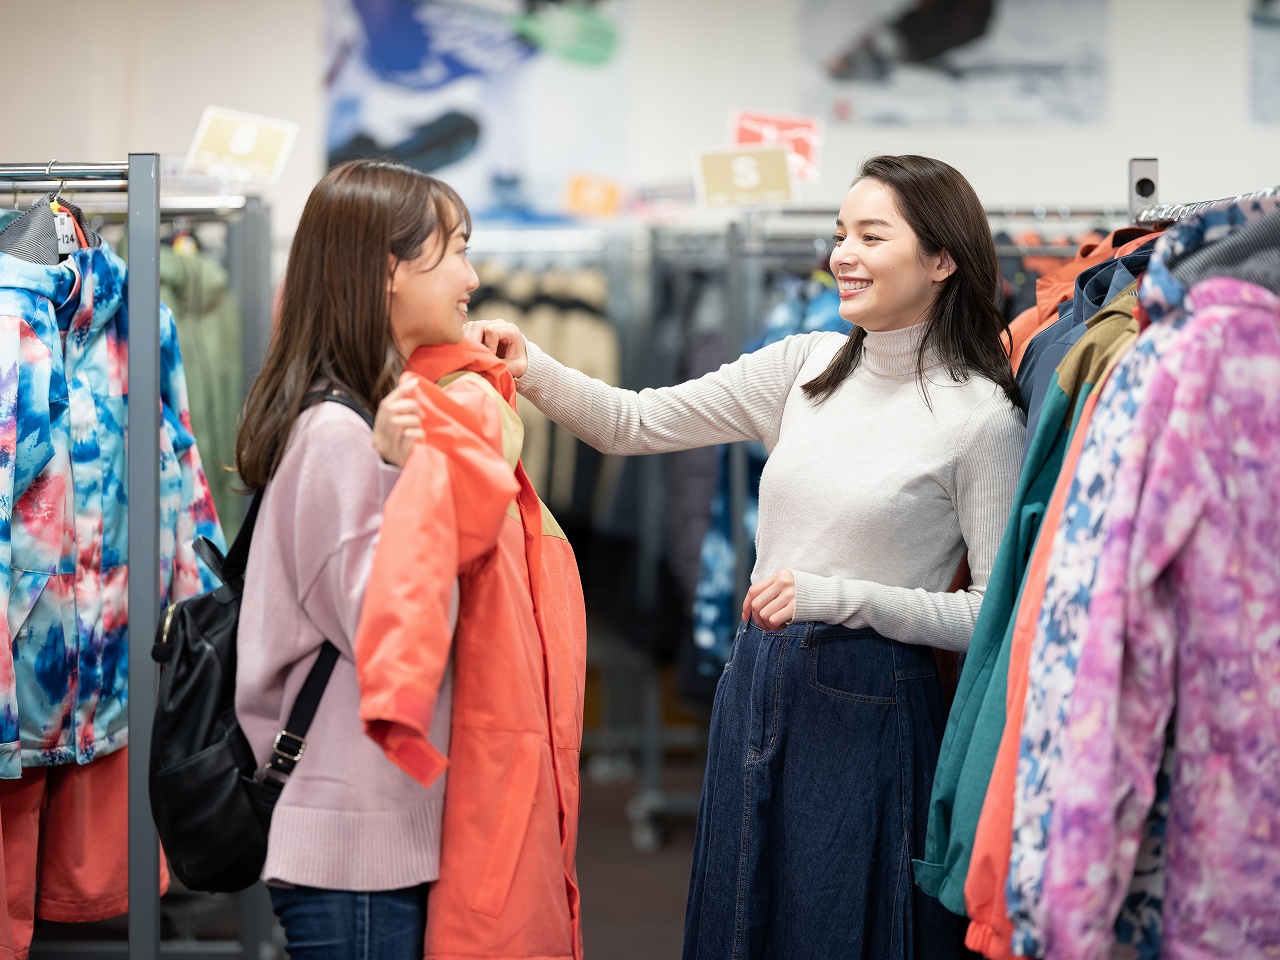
(893,451)
(378,268)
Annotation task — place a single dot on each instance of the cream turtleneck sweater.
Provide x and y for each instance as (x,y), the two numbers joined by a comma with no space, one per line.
(870,498)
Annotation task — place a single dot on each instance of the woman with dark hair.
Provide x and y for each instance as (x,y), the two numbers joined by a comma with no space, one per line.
(892,452)
(377,269)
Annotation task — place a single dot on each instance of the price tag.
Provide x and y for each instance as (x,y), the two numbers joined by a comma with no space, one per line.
(241,146)
(65,227)
(745,177)
(589,196)
(801,135)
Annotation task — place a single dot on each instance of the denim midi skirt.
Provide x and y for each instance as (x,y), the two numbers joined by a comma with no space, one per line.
(824,742)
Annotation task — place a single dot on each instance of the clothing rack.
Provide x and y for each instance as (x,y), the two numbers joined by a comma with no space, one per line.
(1164,213)
(746,252)
(139,178)
(248,255)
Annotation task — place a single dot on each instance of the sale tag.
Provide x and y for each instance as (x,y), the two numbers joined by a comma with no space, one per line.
(65,227)
(241,146)
(749,176)
(588,196)
(802,136)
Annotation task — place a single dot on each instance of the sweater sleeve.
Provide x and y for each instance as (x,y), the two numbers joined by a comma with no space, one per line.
(743,400)
(988,456)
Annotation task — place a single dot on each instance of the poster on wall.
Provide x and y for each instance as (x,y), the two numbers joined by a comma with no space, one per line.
(1265,70)
(955,61)
(509,102)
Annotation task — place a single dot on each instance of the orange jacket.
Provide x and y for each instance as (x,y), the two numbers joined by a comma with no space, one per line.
(464,508)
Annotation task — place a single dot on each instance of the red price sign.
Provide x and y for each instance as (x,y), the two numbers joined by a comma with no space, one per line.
(801,136)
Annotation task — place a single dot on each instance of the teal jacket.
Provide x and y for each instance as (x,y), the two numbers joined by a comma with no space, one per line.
(976,722)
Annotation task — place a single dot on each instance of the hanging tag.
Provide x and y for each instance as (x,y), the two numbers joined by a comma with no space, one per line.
(64,224)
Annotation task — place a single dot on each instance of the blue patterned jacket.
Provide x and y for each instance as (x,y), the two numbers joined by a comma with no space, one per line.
(64,333)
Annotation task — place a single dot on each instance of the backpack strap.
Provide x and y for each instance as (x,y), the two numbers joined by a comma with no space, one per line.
(292,740)
(338,395)
(237,557)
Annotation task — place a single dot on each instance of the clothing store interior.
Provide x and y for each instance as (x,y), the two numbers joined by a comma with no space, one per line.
(575,648)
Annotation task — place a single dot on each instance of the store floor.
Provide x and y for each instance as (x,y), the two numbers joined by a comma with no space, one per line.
(632,902)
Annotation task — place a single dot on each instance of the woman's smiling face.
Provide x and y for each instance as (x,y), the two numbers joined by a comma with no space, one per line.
(885,281)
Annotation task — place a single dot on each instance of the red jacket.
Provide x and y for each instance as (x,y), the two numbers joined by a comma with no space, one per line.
(508,885)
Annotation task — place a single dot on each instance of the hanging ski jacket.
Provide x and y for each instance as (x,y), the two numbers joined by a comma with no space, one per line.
(64,572)
(463,507)
(1064,620)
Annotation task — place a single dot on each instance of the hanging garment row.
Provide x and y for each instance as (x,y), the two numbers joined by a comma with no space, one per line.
(566,311)
(803,305)
(64,562)
(1108,770)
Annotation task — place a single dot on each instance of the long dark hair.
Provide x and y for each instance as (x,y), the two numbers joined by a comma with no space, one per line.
(965,326)
(335,315)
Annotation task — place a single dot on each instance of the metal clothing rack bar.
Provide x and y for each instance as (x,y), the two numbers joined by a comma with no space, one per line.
(1066,250)
(1045,211)
(487,240)
(1162,213)
(65,171)
(45,185)
(194,208)
(46,177)
(140,177)
(249,271)
(144,543)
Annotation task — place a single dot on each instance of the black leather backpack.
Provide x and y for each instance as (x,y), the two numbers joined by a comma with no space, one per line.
(211,809)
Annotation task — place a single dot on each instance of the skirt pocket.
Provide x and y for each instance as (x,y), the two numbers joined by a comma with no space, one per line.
(852,666)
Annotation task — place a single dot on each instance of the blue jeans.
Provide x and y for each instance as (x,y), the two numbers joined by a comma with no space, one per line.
(352,925)
(824,742)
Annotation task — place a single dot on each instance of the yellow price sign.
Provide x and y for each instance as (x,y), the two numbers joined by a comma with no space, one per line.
(241,146)
(759,176)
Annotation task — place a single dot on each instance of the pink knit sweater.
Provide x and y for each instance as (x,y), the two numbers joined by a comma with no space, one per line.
(348,819)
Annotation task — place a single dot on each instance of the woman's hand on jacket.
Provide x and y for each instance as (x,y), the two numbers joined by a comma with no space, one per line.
(504,339)
(771,602)
(398,424)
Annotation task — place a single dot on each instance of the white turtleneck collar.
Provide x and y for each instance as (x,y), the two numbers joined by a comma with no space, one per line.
(893,353)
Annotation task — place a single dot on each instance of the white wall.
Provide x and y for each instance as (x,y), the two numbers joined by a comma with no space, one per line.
(1178,74)
(142,71)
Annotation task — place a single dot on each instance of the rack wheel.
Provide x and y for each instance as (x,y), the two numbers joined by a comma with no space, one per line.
(648,835)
